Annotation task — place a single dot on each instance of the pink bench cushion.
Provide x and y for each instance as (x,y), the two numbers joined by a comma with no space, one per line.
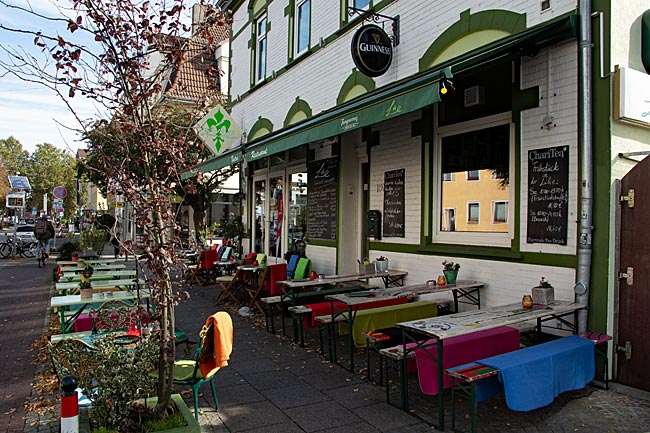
(462,350)
(83,323)
(323,308)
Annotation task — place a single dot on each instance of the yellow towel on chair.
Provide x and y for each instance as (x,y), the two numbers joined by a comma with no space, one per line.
(217,349)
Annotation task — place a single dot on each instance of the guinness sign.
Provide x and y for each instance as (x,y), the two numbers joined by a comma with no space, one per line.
(372,50)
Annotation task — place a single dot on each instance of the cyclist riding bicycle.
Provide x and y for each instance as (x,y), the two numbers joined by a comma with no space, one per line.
(43,231)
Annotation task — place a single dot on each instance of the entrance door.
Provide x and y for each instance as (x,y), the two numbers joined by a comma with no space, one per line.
(634,298)
(276,225)
(259,209)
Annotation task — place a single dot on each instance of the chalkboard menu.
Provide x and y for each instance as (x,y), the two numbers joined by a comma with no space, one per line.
(322,179)
(548,195)
(394,203)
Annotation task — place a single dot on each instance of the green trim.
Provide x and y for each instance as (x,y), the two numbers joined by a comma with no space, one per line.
(600,261)
(321,242)
(229,158)
(355,79)
(392,101)
(289,12)
(299,106)
(259,126)
(498,19)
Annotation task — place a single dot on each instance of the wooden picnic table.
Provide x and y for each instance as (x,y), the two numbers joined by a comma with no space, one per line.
(468,322)
(101,276)
(99,268)
(63,304)
(64,288)
(352,301)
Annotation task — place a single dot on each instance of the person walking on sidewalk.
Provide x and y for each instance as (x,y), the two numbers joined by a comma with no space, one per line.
(43,231)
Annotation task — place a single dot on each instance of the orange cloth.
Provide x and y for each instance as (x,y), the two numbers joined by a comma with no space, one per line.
(219,347)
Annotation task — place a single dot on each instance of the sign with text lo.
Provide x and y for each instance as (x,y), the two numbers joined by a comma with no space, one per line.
(217,130)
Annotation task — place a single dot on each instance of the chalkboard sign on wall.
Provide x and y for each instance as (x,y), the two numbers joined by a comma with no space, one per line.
(322,179)
(548,195)
(394,203)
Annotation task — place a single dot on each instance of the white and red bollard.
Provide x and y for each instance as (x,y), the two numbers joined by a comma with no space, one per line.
(69,405)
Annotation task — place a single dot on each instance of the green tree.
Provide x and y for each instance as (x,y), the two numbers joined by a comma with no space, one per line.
(47,168)
(12,155)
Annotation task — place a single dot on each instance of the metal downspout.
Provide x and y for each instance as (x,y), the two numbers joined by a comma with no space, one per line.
(585,139)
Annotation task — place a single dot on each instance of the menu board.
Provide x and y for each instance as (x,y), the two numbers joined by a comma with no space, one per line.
(394,203)
(548,195)
(322,180)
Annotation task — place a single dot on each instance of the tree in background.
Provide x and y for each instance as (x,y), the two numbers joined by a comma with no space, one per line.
(46,168)
(104,55)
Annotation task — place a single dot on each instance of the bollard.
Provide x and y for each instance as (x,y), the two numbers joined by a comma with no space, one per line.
(69,405)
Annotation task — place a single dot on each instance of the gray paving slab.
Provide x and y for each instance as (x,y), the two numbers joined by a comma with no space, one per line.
(273,385)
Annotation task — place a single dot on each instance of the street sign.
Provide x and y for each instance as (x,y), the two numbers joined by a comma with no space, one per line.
(59,192)
(217,130)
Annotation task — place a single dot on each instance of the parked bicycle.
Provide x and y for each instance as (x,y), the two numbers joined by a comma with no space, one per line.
(15,246)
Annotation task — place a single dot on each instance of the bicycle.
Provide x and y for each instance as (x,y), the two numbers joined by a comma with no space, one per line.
(14,246)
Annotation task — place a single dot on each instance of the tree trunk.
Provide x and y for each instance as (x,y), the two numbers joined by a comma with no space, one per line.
(199,220)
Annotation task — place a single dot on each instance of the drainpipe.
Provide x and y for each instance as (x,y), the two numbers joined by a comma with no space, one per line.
(585,138)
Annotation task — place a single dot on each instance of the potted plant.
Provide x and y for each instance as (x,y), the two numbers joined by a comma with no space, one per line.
(450,269)
(543,293)
(381,264)
(85,286)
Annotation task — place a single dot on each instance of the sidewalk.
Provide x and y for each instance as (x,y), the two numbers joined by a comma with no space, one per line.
(272,385)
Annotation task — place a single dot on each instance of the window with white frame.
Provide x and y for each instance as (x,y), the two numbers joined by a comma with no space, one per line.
(361,4)
(479,156)
(303,25)
(260,48)
(500,212)
(473,212)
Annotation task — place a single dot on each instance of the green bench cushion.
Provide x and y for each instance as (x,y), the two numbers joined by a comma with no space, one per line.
(385,317)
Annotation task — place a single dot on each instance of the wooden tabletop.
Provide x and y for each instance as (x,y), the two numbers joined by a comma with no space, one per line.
(333,279)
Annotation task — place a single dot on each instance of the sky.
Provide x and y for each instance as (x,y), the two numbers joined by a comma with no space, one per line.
(30,112)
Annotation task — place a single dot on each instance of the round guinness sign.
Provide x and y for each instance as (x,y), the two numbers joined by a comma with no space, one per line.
(372,50)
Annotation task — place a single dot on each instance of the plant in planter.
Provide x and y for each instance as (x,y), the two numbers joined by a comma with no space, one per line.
(450,269)
(543,293)
(85,286)
(381,264)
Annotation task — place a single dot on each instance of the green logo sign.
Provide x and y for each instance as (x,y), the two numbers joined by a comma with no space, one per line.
(217,130)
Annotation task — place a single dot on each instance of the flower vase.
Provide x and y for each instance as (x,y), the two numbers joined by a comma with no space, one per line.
(86,293)
(381,266)
(543,295)
(451,276)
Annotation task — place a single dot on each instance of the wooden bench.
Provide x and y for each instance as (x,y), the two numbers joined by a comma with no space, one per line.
(546,361)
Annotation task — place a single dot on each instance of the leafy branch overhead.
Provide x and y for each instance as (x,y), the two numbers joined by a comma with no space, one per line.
(122,55)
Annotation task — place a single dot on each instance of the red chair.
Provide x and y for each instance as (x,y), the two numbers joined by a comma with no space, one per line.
(276,273)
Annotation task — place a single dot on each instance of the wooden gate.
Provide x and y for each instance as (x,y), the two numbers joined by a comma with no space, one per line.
(632,350)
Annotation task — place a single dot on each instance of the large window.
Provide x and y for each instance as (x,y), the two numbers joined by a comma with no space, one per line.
(303,24)
(260,49)
(478,155)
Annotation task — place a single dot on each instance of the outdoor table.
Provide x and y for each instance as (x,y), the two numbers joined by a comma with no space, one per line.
(101,276)
(93,262)
(228,265)
(67,263)
(62,288)
(468,322)
(291,288)
(77,270)
(352,301)
(64,302)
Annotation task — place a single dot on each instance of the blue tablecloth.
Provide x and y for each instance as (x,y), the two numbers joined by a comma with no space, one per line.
(534,376)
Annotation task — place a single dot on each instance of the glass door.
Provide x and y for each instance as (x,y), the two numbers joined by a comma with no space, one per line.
(259,192)
(275,220)
(297,211)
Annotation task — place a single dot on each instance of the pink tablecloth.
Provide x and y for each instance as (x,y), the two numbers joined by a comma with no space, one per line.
(461,350)
(322,308)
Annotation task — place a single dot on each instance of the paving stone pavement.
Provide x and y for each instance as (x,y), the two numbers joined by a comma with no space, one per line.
(273,385)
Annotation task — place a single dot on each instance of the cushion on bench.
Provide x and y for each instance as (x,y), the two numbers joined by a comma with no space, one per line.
(461,350)
(323,308)
(385,317)
(534,376)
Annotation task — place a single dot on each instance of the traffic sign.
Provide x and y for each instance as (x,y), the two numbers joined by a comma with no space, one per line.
(59,192)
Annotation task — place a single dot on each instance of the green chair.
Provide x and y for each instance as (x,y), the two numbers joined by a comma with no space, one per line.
(303,269)
(188,371)
(261,259)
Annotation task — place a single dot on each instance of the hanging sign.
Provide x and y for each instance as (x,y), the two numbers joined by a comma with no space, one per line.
(217,130)
(372,50)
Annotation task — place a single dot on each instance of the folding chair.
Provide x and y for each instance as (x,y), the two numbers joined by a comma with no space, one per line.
(255,291)
(230,285)
(115,315)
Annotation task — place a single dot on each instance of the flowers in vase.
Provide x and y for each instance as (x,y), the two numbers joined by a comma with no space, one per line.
(450,266)
(544,283)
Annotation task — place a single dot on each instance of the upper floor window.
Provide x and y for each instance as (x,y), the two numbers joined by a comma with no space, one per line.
(303,25)
(360,4)
(472,175)
(260,51)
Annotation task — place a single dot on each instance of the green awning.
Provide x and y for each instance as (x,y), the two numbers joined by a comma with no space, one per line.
(221,161)
(378,107)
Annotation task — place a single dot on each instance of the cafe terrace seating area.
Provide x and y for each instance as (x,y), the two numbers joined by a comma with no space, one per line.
(372,323)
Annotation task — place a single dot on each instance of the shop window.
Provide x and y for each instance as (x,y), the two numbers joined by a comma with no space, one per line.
(479,155)
(303,25)
(260,48)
